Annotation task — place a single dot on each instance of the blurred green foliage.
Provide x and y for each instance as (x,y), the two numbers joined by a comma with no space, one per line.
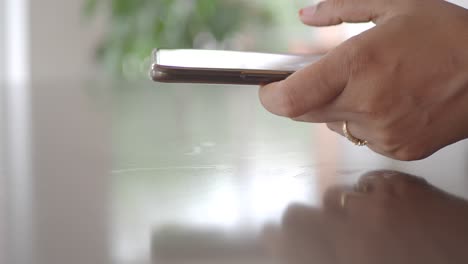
(136,27)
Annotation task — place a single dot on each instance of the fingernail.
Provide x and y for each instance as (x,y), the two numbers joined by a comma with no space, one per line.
(308,11)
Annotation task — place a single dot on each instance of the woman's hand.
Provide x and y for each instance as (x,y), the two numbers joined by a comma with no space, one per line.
(402,85)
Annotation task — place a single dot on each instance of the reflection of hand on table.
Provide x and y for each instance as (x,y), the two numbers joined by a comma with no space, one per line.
(391,218)
(402,85)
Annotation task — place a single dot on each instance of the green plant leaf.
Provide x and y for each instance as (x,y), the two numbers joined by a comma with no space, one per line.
(138,26)
(89,8)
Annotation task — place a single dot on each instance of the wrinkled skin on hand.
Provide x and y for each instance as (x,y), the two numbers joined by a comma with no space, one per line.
(402,85)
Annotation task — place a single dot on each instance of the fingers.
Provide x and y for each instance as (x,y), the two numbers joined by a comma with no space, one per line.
(311,88)
(334,12)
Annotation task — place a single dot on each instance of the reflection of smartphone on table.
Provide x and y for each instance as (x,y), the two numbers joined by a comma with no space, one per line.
(224,67)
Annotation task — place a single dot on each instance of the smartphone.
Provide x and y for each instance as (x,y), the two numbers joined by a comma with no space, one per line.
(224,67)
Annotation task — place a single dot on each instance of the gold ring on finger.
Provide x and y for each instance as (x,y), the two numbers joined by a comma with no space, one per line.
(356,141)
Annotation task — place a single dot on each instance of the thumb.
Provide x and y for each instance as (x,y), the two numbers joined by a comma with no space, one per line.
(310,89)
(334,12)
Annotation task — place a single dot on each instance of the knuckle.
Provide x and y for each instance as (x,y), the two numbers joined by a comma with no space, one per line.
(358,54)
(388,142)
(408,154)
(402,154)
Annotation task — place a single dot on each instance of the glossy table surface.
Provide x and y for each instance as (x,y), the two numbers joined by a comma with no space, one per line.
(100,172)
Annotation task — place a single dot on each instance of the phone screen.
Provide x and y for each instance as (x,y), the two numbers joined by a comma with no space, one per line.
(220,59)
